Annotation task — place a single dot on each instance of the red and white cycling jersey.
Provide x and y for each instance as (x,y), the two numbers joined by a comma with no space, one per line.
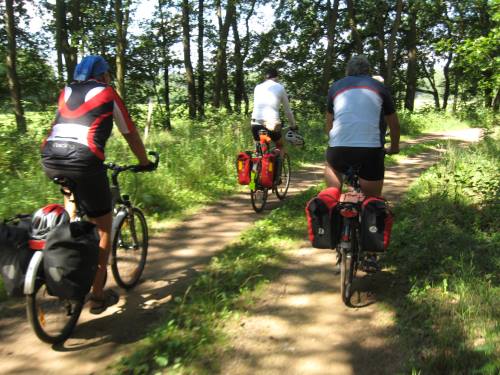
(83,124)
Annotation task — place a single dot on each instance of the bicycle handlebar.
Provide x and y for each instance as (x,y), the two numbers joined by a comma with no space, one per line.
(135,167)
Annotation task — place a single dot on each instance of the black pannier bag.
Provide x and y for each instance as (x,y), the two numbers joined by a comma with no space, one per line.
(70,259)
(376,224)
(323,219)
(15,256)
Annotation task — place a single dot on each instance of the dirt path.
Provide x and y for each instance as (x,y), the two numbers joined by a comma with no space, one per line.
(287,330)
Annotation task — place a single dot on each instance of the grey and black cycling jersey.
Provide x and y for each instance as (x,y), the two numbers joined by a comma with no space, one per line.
(358,105)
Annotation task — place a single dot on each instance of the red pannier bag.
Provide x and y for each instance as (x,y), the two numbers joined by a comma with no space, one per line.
(267,170)
(376,224)
(323,219)
(244,167)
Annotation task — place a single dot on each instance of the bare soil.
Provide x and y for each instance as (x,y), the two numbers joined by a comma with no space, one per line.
(299,326)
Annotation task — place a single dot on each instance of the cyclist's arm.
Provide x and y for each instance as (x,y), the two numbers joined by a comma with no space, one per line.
(328,122)
(391,118)
(128,130)
(393,123)
(288,111)
(135,143)
(329,111)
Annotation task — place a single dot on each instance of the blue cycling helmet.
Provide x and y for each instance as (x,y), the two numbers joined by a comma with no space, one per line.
(89,67)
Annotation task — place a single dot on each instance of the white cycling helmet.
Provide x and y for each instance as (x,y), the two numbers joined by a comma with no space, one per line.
(46,219)
(294,138)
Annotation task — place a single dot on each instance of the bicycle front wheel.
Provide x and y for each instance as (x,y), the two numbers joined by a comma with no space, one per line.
(130,248)
(283,182)
(52,318)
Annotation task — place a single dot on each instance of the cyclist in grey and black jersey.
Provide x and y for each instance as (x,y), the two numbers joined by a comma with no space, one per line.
(356,109)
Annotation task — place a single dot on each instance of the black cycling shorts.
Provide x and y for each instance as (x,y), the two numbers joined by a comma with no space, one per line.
(92,189)
(369,160)
(275,136)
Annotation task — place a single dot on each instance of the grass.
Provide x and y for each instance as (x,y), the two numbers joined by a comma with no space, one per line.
(444,257)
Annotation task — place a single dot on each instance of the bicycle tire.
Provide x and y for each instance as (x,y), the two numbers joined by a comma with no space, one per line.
(53,319)
(346,267)
(259,199)
(281,189)
(127,247)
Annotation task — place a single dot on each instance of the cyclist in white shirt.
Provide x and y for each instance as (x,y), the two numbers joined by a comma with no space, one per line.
(268,96)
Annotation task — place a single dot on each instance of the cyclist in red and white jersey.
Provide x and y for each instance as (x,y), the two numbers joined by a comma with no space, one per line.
(75,149)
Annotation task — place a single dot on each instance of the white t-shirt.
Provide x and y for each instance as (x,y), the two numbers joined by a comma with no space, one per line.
(267,99)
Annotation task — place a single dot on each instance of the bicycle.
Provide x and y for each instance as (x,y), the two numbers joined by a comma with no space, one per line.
(351,256)
(53,319)
(281,180)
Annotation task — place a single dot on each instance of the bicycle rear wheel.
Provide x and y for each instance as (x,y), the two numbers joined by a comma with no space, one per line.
(284,179)
(346,275)
(258,198)
(130,248)
(52,318)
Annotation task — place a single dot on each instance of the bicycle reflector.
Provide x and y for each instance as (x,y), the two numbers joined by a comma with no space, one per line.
(349,212)
(43,221)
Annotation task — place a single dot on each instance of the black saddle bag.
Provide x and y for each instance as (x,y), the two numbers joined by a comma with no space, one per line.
(70,259)
(15,256)
(376,224)
(323,219)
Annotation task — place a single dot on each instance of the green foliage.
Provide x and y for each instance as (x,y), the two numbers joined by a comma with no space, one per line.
(444,254)
(39,88)
(426,120)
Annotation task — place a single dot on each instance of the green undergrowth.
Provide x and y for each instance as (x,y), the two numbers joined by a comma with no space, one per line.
(445,258)
(192,336)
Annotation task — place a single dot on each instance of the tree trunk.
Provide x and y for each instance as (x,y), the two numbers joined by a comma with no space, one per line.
(239,82)
(71,37)
(447,83)
(201,67)
(167,125)
(246,50)
(220,89)
(15,90)
(356,37)
(166,81)
(60,19)
(455,93)
(332,16)
(496,101)
(122,12)
(392,43)
(411,72)
(63,47)
(186,42)
(432,82)
(380,27)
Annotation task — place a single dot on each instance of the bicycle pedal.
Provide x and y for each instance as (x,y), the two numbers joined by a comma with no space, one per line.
(370,266)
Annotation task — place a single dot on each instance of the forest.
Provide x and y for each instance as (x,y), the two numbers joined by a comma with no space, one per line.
(191,57)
